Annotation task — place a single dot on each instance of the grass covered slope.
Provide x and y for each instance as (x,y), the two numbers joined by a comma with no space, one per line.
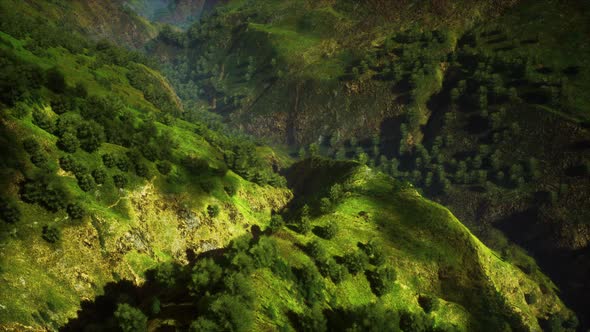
(101,181)
(374,256)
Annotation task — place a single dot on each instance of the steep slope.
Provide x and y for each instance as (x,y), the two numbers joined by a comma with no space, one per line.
(378,257)
(100,19)
(100,183)
(483,105)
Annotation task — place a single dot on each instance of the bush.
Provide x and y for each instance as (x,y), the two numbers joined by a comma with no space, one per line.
(9,212)
(428,303)
(325,205)
(123,163)
(108,160)
(381,280)
(276,223)
(39,159)
(213,211)
(316,251)
(75,211)
(43,121)
(67,163)
(99,175)
(91,136)
(314,320)
(206,275)
(68,143)
(166,274)
(55,80)
(60,105)
(45,192)
(130,319)
(530,298)
(85,182)
(354,262)
(51,234)
(120,180)
(142,170)
(164,167)
(31,145)
(231,188)
(329,231)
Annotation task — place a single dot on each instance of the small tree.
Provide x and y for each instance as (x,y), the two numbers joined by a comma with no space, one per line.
(68,143)
(85,182)
(9,212)
(164,167)
(354,262)
(130,319)
(99,175)
(51,234)
(108,160)
(75,211)
(120,180)
(276,223)
(325,205)
(329,231)
(213,211)
(55,80)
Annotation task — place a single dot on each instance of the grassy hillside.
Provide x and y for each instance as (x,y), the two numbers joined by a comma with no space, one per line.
(378,257)
(100,180)
(482,105)
(121,207)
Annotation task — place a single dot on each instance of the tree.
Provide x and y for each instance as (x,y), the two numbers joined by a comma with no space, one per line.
(354,262)
(51,234)
(428,303)
(314,150)
(85,182)
(99,176)
(314,320)
(213,211)
(9,212)
(325,205)
(55,80)
(120,180)
(329,231)
(205,276)
(276,223)
(382,279)
(130,319)
(75,211)
(91,136)
(336,193)
(108,160)
(164,167)
(68,143)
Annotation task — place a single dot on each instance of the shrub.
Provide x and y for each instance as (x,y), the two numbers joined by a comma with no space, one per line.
(99,175)
(43,121)
(142,170)
(325,205)
(108,160)
(68,143)
(164,167)
(206,274)
(51,234)
(45,192)
(123,163)
(213,211)
(9,212)
(75,211)
(166,274)
(231,188)
(316,251)
(91,136)
(428,303)
(130,319)
(120,180)
(276,223)
(329,231)
(381,280)
(80,90)
(67,163)
(314,320)
(354,262)
(530,298)
(55,80)
(60,105)
(31,145)
(39,159)
(85,182)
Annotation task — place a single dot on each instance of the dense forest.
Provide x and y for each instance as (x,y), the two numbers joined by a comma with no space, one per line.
(292,165)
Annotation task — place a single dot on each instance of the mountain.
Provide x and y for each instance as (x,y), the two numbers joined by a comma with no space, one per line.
(482,105)
(127,204)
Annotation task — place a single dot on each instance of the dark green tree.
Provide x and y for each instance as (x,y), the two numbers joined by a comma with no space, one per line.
(130,319)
